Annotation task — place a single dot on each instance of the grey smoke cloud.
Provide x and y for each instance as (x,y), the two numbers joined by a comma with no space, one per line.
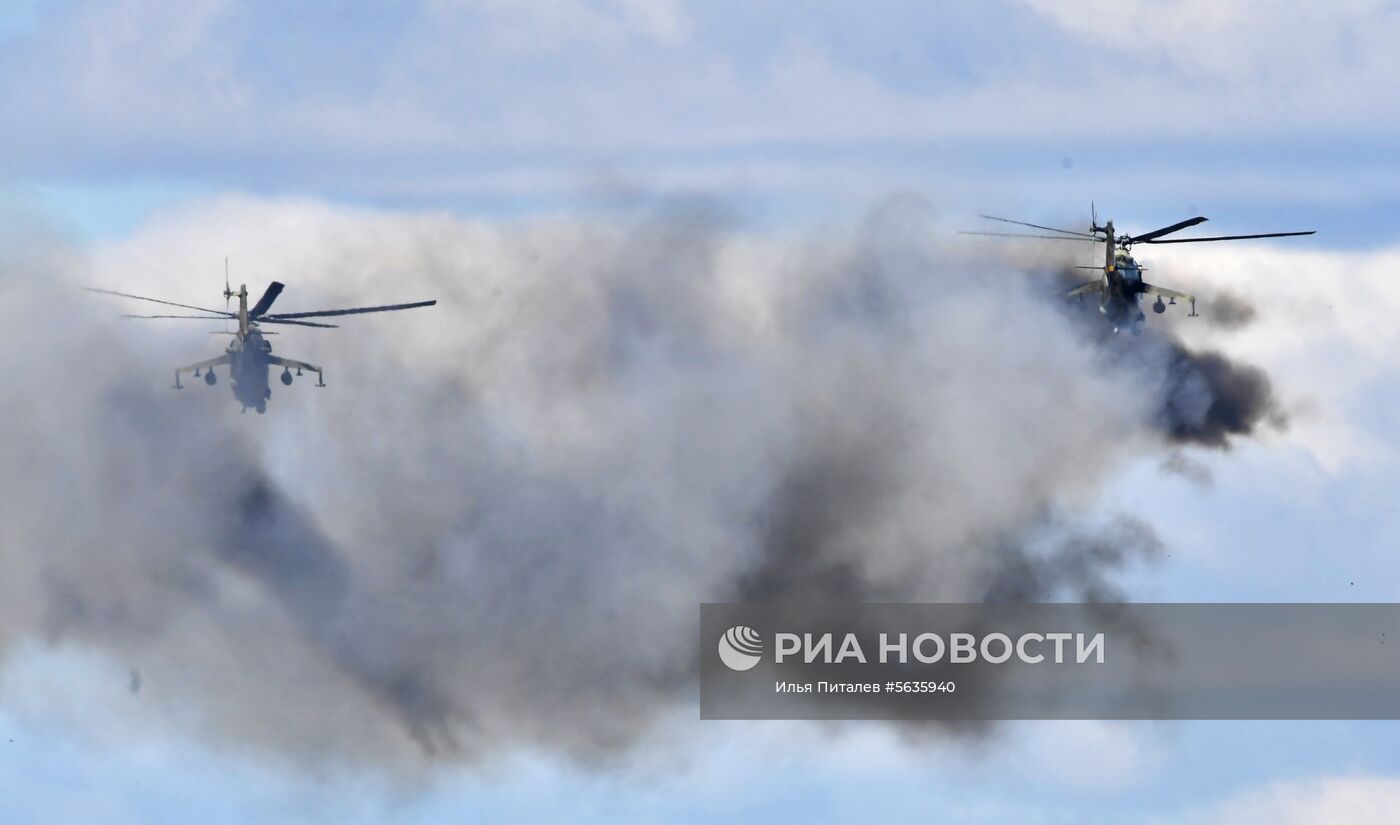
(1203,397)
(493,529)
(1230,310)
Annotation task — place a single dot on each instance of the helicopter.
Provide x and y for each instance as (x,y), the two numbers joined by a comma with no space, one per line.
(1120,287)
(249,355)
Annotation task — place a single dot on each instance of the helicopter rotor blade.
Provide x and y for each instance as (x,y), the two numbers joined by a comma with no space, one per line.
(213,312)
(296,323)
(1148,237)
(1237,237)
(265,302)
(1019,235)
(352,311)
(187,317)
(1037,226)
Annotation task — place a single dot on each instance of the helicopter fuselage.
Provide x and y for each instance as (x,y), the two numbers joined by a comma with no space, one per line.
(248,369)
(1122,295)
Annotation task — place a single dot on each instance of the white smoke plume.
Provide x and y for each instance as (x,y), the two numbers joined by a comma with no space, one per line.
(494,527)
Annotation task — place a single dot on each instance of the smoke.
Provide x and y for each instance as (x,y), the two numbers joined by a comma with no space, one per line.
(493,529)
(1230,311)
(1202,397)
(1208,399)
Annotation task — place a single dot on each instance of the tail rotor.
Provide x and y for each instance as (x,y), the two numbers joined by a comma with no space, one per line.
(228,292)
(1093,228)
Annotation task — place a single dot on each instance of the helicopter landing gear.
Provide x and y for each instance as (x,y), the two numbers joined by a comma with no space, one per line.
(261,408)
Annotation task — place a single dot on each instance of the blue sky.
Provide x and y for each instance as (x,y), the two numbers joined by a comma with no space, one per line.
(510,107)
(122,117)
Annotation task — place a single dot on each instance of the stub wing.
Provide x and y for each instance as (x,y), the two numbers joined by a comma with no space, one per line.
(1167,293)
(1163,292)
(288,363)
(1084,289)
(200,365)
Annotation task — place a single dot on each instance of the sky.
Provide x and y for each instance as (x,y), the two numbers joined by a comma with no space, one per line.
(158,138)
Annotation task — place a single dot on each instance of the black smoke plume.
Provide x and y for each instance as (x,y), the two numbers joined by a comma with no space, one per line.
(1202,397)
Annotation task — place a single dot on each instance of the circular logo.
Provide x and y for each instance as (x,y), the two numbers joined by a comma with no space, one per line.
(740,648)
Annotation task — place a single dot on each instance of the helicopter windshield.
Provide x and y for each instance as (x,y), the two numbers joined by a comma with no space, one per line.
(1127,267)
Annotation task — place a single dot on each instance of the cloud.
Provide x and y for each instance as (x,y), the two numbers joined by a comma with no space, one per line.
(385,101)
(1357,800)
(1323,323)
(554,25)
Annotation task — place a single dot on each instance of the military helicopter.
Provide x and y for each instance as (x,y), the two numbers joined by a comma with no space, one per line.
(249,355)
(1120,288)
